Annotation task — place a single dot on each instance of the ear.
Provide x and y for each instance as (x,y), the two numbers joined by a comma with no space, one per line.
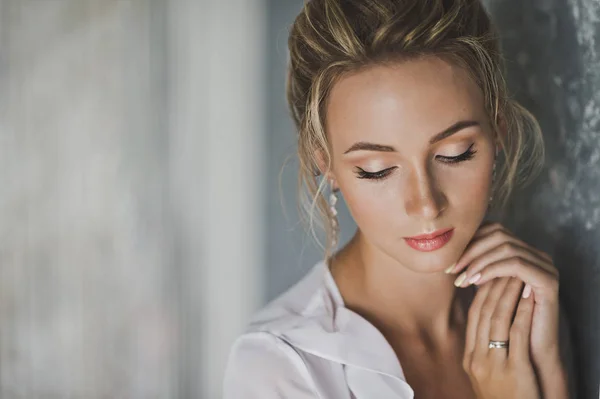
(322,165)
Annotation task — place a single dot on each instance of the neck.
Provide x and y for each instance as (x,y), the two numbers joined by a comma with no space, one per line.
(396,298)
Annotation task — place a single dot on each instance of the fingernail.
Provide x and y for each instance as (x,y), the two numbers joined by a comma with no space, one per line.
(460,279)
(527,291)
(449,269)
(474,278)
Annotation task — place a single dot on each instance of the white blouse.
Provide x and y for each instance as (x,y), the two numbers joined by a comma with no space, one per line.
(306,344)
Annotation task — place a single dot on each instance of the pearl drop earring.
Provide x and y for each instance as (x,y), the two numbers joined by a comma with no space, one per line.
(334,221)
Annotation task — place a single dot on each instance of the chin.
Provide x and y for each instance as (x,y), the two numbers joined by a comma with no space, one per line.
(424,262)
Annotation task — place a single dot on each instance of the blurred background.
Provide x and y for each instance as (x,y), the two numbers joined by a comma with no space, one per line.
(145,214)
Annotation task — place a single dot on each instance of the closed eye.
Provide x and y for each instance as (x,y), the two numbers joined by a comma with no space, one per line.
(382,174)
(363,174)
(459,158)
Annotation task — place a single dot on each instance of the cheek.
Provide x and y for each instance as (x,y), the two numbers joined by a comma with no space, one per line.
(469,189)
(471,192)
(372,204)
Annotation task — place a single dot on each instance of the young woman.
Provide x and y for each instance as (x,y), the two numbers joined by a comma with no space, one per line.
(402,108)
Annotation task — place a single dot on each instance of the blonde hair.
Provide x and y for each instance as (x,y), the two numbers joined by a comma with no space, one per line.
(330,38)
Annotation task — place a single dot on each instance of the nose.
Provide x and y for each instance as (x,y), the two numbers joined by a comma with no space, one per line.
(424,198)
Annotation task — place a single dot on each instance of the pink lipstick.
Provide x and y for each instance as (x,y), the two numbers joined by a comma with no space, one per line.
(430,242)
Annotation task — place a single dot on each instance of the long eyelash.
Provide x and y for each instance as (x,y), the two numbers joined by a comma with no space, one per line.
(460,158)
(465,156)
(363,174)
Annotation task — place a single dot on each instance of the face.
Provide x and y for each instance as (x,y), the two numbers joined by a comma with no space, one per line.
(412,153)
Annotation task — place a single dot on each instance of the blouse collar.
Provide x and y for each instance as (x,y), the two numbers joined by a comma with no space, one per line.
(329,330)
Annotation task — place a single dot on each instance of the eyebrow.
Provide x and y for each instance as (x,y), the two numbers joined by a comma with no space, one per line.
(458,126)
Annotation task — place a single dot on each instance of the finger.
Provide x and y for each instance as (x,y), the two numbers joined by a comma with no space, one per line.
(485,317)
(480,243)
(520,331)
(487,227)
(495,239)
(489,237)
(502,317)
(507,249)
(473,321)
(543,283)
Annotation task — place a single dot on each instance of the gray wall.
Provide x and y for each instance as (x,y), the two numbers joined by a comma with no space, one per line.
(554,69)
(553,53)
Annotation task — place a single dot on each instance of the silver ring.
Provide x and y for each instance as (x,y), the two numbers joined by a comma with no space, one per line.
(498,344)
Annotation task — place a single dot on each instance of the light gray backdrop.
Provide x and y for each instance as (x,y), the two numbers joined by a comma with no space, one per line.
(132,226)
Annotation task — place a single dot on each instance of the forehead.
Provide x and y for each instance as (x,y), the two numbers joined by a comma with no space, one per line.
(417,97)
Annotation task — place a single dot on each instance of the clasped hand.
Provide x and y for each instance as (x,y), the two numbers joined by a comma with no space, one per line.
(517,301)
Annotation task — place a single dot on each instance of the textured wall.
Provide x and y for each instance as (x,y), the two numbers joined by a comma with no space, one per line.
(553,54)
(553,49)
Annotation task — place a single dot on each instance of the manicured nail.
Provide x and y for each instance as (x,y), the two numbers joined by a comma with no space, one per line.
(460,279)
(475,278)
(449,269)
(526,291)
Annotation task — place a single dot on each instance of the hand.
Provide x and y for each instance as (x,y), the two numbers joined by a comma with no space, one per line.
(494,252)
(500,372)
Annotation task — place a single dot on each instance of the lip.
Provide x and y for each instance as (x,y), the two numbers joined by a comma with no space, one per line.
(431,235)
(435,240)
